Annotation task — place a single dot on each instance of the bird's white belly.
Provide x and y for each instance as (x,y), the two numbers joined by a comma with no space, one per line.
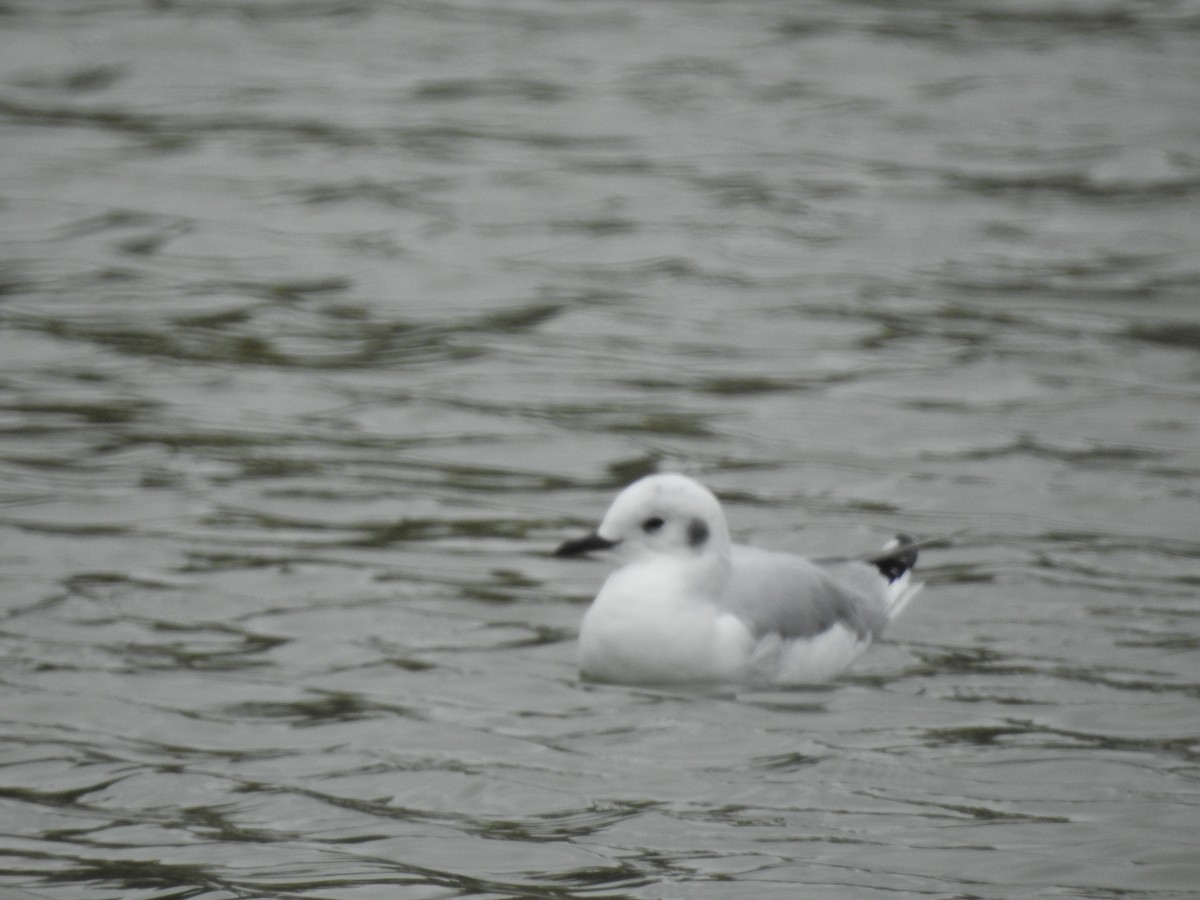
(664,639)
(806,660)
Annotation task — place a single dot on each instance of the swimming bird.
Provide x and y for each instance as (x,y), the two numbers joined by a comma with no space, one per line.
(687,605)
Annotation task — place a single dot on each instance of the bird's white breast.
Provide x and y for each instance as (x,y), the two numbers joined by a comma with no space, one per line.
(645,626)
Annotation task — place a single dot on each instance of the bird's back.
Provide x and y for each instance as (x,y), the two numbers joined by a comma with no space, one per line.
(796,597)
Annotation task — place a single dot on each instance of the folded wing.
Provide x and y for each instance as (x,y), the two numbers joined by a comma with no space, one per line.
(798,598)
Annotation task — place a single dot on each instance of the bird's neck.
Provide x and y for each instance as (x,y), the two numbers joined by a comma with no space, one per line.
(680,579)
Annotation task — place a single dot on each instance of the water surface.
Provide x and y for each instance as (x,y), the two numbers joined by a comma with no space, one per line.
(322,323)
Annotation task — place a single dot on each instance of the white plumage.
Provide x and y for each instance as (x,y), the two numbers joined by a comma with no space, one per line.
(687,605)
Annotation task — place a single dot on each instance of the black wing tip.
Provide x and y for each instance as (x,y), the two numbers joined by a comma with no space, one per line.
(899,557)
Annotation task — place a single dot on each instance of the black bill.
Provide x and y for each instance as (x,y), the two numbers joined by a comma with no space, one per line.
(583,545)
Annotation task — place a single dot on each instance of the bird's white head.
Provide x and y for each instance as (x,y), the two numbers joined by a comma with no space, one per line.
(660,515)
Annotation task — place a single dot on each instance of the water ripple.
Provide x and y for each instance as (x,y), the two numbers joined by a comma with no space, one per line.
(323,322)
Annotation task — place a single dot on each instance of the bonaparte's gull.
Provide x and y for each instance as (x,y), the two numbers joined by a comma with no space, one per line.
(688,605)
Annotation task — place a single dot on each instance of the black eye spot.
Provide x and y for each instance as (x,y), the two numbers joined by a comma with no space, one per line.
(697,533)
(653,524)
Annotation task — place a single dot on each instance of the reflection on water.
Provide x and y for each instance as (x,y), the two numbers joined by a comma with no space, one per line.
(322,323)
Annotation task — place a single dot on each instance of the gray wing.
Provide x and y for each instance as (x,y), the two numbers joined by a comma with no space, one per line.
(797,597)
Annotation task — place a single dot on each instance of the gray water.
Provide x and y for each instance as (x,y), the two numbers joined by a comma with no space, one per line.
(323,321)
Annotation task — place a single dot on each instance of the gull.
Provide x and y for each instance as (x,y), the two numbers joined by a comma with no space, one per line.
(687,605)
